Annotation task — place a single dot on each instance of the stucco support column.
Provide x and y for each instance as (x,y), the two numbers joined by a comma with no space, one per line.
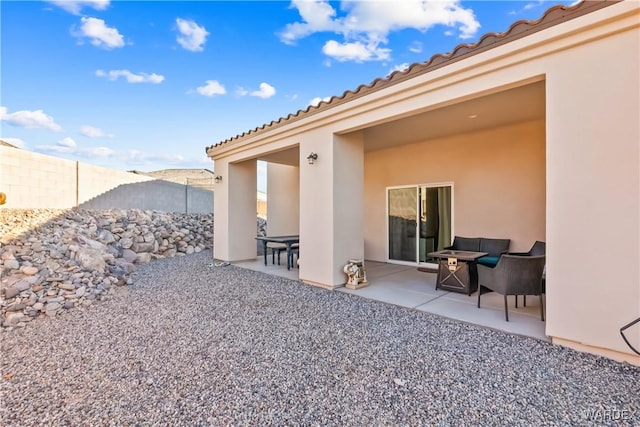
(331,207)
(235,211)
(593,187)
(283,199)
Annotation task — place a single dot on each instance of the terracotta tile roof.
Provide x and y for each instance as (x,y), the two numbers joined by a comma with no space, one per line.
(553,16)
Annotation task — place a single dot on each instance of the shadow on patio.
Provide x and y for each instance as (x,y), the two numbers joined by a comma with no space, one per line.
(405,286)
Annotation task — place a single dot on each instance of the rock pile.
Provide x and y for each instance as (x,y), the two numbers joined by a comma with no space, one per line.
(52,260)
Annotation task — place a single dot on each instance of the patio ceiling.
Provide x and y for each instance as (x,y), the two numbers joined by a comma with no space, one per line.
(520,104)
(502,108)
(289,156)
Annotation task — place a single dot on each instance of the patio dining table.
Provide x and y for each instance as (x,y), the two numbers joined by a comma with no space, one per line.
(287,240)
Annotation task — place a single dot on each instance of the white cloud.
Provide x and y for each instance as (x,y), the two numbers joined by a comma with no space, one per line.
(317,16)
(533,5)
(131,77)
(93,132)
(75,6)
(265,91)
(529,6)
(356,51)
(211,88)
(399,67)
(192,36)
(68,146)
(99,152)
(315,101)
(16,142)
(29,119)
(364,25)
(415,47)
(137,157)
(65,145)
(69,149)
(99,34)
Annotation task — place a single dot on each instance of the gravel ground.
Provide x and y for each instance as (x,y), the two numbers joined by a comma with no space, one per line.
(189,344)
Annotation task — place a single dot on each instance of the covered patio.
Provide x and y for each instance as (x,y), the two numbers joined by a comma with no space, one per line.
(405,286)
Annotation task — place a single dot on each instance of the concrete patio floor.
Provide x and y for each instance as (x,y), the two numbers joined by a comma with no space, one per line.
(405,286)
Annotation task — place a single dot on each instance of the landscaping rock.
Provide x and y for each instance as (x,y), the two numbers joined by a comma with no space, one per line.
(68,258)
(11,264)
(54,259)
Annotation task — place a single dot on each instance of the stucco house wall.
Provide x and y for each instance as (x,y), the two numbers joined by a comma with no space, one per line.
(593,190)
(284,199)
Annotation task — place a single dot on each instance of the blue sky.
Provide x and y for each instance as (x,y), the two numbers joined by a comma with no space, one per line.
(148,85)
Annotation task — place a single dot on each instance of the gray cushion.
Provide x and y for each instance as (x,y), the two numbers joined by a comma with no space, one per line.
(466,244)
(494,247)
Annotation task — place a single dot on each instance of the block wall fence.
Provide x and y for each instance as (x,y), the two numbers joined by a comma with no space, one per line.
(32,180)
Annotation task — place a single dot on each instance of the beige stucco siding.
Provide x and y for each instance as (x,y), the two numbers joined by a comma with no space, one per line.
(498,177)
(283,211)
(593,101)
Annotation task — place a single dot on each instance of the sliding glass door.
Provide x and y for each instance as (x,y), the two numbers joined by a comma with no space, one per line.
(403,217)
(419,221)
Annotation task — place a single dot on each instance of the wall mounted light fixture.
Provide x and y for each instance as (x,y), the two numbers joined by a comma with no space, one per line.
(311,158)
(218,179)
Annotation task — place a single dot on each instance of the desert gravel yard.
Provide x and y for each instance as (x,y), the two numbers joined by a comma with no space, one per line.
(190,344)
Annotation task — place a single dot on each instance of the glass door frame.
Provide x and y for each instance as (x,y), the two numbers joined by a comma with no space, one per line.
(417,187)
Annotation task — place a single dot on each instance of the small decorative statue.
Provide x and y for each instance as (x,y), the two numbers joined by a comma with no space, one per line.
(352,271)
(355,273)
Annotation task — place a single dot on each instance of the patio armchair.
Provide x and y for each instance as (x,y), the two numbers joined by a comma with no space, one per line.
(538,248)
(513,275)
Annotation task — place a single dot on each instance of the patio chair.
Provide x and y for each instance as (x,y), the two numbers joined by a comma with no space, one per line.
(295,253)
(538,248)
(513,275)
(278,248)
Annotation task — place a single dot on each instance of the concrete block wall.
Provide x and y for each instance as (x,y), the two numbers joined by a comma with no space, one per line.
(95,180)
(32,180)
(154,195)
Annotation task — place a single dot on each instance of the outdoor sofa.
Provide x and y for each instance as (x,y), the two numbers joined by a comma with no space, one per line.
(494,247)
